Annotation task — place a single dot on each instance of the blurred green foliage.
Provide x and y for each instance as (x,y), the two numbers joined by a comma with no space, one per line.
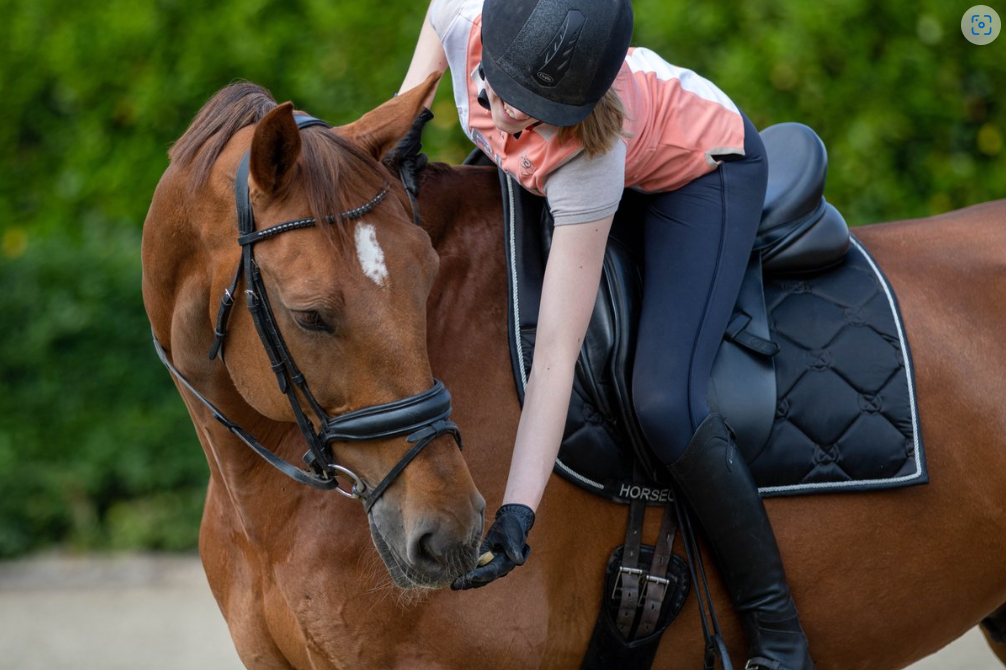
(96,450)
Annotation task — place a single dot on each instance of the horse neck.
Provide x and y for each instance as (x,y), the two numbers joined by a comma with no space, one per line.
(189,255)
(462,213)
(466,314)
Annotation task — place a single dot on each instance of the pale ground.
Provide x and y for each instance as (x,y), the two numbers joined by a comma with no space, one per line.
(156,613)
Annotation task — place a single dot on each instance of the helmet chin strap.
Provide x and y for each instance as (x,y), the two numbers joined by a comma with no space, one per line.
(483,100)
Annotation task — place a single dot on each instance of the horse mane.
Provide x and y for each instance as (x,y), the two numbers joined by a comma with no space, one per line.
(228,111)
(326,159)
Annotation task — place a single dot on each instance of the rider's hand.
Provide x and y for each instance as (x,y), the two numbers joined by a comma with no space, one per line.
(503,549)
(410,146)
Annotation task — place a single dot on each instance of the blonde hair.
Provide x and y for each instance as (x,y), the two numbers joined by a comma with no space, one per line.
(598,132)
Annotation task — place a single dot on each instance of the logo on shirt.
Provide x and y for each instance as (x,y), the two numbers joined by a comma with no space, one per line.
(482,143)
(527,168)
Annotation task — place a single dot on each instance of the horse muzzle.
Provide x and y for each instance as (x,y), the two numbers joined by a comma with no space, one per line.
(433,551)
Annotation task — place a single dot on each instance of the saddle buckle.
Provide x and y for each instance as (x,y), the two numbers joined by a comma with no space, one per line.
(622,570)
(662,582)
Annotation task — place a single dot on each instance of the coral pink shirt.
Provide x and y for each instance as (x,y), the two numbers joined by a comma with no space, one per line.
(677,122)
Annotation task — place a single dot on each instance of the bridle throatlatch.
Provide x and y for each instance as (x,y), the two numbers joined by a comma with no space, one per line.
(419,418)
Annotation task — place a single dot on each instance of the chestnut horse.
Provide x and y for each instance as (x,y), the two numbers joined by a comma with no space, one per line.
(373,308)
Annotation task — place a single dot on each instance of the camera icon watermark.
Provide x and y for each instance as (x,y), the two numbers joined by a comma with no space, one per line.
(981,24)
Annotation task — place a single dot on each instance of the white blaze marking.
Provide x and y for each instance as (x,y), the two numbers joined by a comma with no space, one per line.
(370,253)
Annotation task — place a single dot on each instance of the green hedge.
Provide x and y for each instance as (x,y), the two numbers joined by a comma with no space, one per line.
(96,449)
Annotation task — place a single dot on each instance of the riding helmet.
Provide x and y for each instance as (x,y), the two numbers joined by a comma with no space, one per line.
(554,59)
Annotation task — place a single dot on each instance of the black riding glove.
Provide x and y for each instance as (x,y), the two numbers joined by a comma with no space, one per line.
(503,549)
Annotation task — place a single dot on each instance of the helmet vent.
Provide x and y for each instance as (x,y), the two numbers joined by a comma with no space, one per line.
(553,63)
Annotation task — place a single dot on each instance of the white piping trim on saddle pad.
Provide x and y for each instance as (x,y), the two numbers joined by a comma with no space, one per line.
(513,284)
(516,328)
(911,401)
(577,476)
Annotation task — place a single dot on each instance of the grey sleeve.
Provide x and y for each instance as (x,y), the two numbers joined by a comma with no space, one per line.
(587,188)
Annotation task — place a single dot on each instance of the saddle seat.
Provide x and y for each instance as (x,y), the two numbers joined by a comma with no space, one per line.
(799,230)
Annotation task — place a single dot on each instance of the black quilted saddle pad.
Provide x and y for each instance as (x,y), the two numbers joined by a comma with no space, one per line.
(846,415)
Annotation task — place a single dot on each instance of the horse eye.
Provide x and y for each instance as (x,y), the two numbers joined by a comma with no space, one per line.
(311,320)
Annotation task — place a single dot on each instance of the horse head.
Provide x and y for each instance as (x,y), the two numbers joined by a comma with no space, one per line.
(336,289)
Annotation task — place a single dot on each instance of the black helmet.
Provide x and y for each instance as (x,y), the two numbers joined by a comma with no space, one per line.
(554,59)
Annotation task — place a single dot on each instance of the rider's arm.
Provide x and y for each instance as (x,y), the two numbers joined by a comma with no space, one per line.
(428,57)
(583,196)
(572,275)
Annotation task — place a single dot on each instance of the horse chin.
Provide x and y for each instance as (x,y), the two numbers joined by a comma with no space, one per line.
(405,576)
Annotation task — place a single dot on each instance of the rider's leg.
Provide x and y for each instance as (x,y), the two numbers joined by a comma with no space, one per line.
(697,243)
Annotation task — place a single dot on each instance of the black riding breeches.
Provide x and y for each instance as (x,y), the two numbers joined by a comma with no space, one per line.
(697,242)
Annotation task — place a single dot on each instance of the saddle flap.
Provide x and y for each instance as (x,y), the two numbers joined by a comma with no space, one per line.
(742,386)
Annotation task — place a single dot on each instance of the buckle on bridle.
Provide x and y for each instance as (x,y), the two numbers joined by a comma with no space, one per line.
(330,472)
(359,489)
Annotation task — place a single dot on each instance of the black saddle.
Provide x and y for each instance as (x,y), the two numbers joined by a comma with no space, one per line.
(800,235)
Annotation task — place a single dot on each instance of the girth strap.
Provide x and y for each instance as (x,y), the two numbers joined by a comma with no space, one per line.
(656,580)
(643,590)
(630,574)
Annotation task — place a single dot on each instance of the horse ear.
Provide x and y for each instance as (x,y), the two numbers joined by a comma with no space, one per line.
(378,131)
(275,148)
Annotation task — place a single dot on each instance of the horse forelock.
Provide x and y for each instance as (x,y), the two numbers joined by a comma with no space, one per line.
(228,111)
(337,177)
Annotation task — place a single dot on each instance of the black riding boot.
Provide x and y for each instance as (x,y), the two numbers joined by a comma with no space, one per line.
(722,493)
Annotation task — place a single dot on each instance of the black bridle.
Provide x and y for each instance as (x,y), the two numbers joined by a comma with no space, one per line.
(419,418)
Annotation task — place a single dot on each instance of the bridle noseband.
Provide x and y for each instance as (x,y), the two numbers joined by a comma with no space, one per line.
(419,418)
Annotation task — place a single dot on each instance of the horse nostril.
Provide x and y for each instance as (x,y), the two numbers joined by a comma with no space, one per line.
(479,505)
(428,551)
(479,520)
(435,545)
(425,546)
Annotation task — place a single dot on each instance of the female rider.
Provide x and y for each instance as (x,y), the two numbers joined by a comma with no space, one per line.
(550,91)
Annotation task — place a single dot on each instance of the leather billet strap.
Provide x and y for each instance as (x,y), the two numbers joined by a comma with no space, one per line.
(643,589)
(630,575)
(656,580)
